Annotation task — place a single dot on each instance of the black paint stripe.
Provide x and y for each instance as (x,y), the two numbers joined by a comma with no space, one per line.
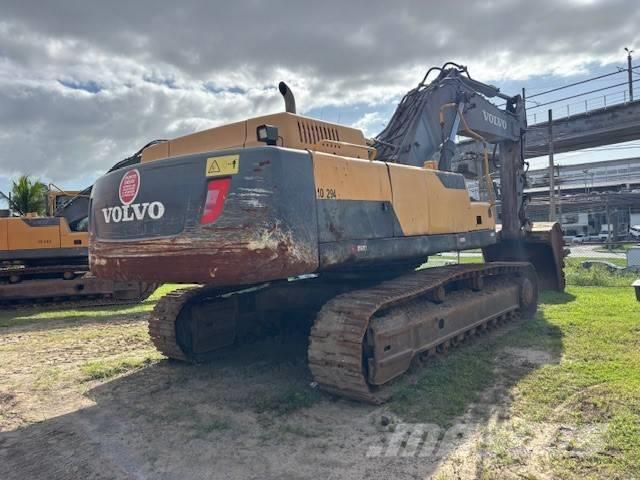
(451,180)
(381,251)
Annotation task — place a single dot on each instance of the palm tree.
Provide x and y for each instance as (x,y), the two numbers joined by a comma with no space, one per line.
(28,195)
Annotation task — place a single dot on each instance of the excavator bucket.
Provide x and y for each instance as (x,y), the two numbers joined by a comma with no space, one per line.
(542,246)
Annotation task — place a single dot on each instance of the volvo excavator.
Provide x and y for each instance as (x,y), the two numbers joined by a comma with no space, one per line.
(282,213)
(45,258)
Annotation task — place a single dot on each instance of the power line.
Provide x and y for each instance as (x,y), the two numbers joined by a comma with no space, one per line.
(583,93)
(580,82)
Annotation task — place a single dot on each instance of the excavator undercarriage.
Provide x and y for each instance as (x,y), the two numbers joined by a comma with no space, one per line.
(62,283)
(364,333)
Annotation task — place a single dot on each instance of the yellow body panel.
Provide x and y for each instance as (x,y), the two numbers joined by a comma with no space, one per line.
(421,202)
(156,152)
(350,179)
(295,131)
(424,205)
(410,199)
(71,239)
(228,136)
(17,234)
(485,213)
(22,236)
(4,234)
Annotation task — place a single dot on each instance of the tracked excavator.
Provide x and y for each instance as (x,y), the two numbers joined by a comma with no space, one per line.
(282,214)
(44,259)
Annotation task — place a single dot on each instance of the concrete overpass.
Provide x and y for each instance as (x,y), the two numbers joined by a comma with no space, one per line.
(594,128)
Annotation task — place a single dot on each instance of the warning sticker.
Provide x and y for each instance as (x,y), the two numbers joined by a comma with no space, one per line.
(222,166)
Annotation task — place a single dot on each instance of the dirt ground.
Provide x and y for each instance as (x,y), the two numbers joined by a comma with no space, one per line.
(88,397)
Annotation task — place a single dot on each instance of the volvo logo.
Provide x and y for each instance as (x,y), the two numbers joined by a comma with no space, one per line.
(494,120)
(129,211)
(135,211)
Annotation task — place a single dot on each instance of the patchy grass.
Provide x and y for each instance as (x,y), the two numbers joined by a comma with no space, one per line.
(452,382)
(299,431)
(52,354)
(287,401)
(103,369)
(620,247)
(592,385)
(451,258)
(449,383)
(598,380)
(597,275)
(214,424)
(24,316)
(48,378)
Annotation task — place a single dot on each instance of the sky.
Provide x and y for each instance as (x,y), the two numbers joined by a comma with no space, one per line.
(84,84)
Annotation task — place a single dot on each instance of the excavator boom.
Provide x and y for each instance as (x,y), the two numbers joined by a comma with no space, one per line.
(426,124)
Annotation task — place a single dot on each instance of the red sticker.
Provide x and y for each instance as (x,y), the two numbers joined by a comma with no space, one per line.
(129,186)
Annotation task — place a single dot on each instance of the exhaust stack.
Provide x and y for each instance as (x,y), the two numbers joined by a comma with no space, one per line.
(289,99)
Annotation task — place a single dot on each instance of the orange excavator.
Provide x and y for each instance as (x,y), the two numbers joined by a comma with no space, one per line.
(45,258)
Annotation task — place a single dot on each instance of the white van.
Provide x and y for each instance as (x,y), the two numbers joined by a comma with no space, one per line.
(603,236)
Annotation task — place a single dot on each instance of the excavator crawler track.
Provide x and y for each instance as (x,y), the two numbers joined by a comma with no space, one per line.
(162,322)
(81,289)
(355,323)
(191,324)
(338,357)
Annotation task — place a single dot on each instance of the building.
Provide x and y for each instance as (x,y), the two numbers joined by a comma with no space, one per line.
(607,175)
(587,214)
(589,196)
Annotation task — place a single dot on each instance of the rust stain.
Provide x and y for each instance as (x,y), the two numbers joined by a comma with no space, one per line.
(231,258)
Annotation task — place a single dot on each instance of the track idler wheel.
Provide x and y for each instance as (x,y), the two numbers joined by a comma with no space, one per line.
(528,282)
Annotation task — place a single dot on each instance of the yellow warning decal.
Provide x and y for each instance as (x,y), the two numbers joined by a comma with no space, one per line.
(221,166)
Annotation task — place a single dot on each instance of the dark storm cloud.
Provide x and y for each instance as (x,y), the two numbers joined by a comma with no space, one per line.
(82,83)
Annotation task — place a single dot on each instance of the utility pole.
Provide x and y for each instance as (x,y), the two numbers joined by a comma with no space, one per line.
(552,187)
(608,221)
(630,73)
(559,196)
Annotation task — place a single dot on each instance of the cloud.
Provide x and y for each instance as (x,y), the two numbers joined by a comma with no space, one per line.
(83,84)
(371,123)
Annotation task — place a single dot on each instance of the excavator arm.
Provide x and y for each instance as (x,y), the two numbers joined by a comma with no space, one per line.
(425,126)
(430,116)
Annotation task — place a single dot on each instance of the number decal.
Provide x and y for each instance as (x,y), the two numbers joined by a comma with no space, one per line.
(328,193)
